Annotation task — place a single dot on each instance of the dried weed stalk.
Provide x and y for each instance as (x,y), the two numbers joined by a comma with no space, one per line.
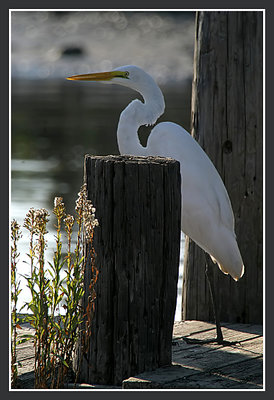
(58,287)
(15,291)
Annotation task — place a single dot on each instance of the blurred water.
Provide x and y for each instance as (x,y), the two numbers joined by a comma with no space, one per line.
(56,44)
(56,122)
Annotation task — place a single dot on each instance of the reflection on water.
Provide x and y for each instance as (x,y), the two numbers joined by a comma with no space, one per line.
(56,122)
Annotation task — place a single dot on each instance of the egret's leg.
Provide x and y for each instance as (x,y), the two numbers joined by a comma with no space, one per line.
(219,339)
(215,303)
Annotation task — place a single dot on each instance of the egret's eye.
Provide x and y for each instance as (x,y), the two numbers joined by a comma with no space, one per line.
(120,74)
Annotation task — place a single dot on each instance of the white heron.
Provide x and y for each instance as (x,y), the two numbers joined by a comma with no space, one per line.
(207,216)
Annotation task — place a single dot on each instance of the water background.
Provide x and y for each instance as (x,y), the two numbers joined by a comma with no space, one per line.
(55,122)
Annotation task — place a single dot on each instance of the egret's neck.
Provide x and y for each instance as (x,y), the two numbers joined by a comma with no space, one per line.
(135,115)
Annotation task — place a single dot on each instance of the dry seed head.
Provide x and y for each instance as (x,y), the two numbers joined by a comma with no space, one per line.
(16,233)
(57,201)
(59,207)
(90,222)
(29,222)
(82,197)
(41,218)
(36,220)
(69,221)
(86,211)
(80,204)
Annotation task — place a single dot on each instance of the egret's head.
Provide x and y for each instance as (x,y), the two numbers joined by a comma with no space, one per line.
(128,75)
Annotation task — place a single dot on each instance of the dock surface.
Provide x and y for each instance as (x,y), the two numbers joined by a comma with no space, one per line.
(194,366)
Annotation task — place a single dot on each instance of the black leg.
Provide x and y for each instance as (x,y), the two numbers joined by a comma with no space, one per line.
(219,339)
(215,304)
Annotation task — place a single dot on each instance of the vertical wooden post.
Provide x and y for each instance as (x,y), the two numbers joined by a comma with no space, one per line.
(227,122)
(138,203)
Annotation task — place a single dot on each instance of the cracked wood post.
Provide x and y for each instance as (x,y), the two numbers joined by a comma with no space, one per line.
(227,122)
(138,205)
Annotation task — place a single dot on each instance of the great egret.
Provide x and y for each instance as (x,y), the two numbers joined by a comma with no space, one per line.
(207,216)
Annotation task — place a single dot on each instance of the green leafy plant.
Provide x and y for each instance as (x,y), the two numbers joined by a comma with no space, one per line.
(57,289)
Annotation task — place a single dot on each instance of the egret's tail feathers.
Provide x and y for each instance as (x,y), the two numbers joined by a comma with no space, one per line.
(228,257)
(219,265)
(235,275)
(213,259)
(236,278)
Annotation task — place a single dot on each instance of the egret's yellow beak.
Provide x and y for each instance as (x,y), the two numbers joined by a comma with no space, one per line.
(100,76)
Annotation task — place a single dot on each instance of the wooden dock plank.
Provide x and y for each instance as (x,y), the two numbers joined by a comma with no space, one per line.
(215,359)
(205,330)
(210,366)
(254,345)
(249,371)
(242,375)
(185,328)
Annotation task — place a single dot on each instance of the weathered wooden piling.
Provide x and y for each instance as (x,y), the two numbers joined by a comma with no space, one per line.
(227,121)
(138,205)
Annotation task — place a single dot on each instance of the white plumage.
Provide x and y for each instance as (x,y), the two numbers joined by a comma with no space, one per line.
(207,216)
